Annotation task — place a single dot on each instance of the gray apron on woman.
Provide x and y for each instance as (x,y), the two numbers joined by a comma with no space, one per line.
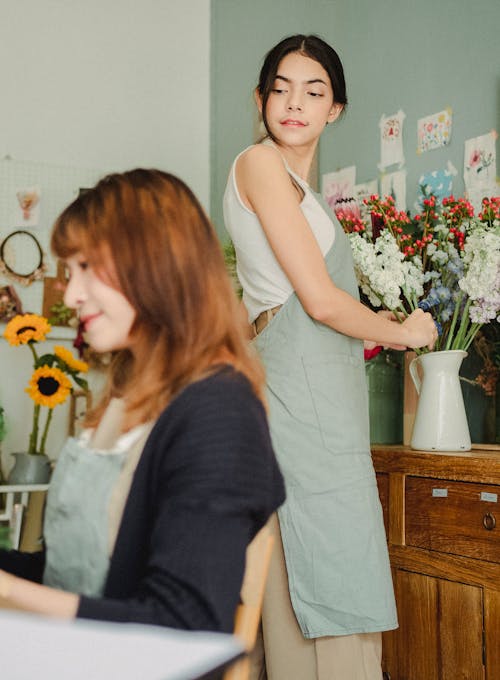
(331,523)
(76,518)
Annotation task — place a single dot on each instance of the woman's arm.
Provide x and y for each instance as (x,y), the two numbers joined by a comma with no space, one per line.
(265,187)
(19,593)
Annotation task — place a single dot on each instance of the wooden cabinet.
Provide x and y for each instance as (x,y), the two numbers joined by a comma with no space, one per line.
(442,517)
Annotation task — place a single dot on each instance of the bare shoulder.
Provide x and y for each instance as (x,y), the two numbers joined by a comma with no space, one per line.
(258,167)
(260,157)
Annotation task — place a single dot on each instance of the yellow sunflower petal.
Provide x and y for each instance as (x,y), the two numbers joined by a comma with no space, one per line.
(24,328)
(69,359)
(49,386)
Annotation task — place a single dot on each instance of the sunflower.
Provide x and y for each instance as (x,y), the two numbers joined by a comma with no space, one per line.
(25,328)
(72,362)
(49,386)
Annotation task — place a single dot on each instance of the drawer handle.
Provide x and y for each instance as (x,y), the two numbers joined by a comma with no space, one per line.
(386,675)
(489,521)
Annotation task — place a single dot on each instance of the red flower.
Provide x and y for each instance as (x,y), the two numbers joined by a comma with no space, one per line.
(370,353)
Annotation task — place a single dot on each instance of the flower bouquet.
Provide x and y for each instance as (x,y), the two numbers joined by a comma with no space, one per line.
(53,373)
(445,260)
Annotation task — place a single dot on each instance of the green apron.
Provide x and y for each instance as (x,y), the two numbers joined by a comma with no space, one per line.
(331,523)
(76,518)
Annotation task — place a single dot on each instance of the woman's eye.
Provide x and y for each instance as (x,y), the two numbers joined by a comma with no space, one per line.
(83,265)
(315,94)
(277,90)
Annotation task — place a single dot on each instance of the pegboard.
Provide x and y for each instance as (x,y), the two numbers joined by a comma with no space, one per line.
(58,186)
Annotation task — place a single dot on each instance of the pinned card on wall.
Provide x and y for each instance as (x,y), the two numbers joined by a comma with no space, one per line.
(439,183)
(434,131)
(362,191)
(480,168)
(338,186)
(26,207)
(394,184)
(391,140)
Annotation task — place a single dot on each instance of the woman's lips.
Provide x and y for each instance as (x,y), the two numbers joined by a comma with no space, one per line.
(292,123)
(87,320)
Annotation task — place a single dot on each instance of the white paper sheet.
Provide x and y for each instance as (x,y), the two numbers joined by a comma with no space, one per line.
(391,140)
(339,185)
(434,131)
(48,649)
(480,168)
(394,183)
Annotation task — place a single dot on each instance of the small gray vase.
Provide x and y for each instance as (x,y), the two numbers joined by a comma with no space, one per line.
(30,469)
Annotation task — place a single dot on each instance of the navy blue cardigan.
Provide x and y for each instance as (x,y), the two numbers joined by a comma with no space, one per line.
(206,482)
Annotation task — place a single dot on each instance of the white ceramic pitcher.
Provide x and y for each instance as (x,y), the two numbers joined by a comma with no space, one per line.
(440,421)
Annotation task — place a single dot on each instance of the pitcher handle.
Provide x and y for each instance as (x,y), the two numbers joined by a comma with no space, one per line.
(414,374)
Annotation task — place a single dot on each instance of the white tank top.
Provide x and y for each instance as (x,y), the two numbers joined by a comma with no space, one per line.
(265,284)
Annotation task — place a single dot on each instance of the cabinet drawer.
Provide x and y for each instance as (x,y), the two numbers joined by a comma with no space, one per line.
(460,518)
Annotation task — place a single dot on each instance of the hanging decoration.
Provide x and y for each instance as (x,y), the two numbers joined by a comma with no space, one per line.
(439,183)
(339,186)
(19,261)
(391,140)
(27,212)
(394,184)
(434,131)
(480,168)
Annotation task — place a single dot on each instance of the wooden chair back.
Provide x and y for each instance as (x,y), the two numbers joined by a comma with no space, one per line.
(248,613)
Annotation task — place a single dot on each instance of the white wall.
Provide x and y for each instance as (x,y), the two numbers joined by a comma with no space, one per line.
(105,84)
(109,84)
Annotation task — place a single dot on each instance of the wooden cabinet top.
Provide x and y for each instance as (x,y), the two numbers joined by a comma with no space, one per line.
(477,465)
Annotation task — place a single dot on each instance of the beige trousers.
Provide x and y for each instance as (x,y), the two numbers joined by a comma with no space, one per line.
(282,652)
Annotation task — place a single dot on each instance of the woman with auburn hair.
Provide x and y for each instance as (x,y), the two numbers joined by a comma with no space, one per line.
(149,512)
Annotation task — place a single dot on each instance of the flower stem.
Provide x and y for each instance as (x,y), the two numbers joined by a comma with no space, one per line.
(45,432)
(471,335)
(34,430)
(33,351)
(463,328)
(454,321)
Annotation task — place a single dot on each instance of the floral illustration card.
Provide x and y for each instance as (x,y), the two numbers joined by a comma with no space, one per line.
(439,183)
(338,186)
(480,167)
(434,131)
(391,139)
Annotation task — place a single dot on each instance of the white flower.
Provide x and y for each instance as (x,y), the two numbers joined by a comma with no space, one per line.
(482,266)
(379,268)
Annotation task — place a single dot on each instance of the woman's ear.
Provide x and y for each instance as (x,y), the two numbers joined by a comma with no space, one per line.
(258,99)
(335,112)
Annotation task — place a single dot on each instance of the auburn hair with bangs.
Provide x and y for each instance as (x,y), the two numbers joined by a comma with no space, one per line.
(145,233)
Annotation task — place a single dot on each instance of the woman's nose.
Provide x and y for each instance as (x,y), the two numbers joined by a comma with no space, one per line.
(73,294)
(294,105)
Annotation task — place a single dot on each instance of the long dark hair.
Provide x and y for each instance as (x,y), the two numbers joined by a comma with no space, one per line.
(145,233)
(311,46)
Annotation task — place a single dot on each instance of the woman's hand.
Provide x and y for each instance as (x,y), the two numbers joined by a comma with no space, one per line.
(421,329)
(390,316)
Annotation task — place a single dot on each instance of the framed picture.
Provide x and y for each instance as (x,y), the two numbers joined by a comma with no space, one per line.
(10,304)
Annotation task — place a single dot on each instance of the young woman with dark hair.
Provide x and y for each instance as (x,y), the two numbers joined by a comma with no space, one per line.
(150,511)
(329,592)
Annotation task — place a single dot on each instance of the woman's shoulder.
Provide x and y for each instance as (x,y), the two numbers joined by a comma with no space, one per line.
(259,154)
(222,395)
(225,385)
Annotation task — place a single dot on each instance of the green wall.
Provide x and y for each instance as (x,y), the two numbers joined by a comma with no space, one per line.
(418,56)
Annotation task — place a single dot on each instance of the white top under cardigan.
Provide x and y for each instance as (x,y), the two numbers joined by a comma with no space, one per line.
(265,284)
